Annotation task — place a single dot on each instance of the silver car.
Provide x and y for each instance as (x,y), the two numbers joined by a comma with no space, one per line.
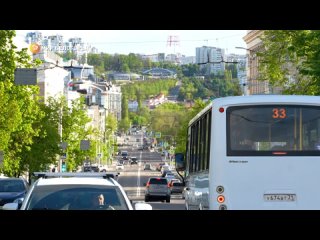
(157,188)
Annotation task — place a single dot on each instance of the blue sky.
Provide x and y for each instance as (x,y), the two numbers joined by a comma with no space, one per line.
(153,41)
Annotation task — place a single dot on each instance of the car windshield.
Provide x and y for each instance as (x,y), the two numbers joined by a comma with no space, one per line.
(75,197)
(11,186)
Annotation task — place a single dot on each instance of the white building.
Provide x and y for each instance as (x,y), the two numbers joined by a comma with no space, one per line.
(111,101)
(52,78)
(132,106)
(33,37)
(188,59)
(211,58)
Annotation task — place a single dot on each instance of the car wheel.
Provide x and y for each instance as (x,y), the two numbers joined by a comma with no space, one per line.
(168,199)
(146,199)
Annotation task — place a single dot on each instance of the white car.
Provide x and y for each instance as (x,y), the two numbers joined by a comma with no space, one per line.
(75,191)
(119,166)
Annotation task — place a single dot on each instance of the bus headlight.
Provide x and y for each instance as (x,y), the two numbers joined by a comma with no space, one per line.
(220,189)
(222,207)
(220,199)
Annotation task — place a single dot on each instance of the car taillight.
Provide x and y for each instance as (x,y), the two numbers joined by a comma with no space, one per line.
(220,199)
(148,184)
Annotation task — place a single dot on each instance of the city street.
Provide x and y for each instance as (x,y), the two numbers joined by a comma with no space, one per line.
(133,177)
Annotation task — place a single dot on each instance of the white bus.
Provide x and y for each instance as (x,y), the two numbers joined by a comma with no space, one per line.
(254,152)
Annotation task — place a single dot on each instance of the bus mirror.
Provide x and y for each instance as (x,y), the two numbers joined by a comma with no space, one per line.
(179,158)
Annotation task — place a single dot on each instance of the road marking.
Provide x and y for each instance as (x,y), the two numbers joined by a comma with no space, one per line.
(138,180)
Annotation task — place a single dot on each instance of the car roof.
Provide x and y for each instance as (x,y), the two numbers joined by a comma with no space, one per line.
(75,181)
(11,178)
(157,178)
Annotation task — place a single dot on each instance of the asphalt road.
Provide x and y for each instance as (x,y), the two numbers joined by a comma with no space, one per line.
(133,177)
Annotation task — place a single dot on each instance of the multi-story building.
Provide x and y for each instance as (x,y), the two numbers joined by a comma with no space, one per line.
(102,94)
(80,72)
(211,59)
(241,61)
(111,100)
(254,45)
(188,59)
(52,78)
(55,43)
(33,37)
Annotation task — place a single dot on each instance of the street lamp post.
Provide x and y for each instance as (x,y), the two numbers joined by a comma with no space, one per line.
(248,68)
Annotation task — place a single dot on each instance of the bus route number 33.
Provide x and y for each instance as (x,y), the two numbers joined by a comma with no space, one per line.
(279,113)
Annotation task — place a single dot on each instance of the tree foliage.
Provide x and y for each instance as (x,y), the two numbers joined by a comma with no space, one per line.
(211,87)
(189,113)
(74,129)
(18,106)
(290,60)
(140,91)
(127,63)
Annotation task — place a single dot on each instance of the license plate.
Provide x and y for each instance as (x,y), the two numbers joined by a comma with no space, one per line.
(280,197)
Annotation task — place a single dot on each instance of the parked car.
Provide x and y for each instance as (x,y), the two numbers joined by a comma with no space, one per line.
(76,191)
(12,190)
(169,176)
(157,188)
(176,186)
(91,169)
(147,166)
(165,172)
(119,166)
(124,155)
(160,166)
(164,168)
(133,160)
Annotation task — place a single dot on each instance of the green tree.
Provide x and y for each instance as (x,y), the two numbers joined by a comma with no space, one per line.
(124,106)
(111,123)
(45,147)
(18,106)
(75,129)
(124,124)
(181,138)
(290,59)
(190,70)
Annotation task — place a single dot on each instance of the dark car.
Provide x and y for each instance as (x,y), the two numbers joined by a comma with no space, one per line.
(12,190)
(91,169)
(133,160)
(124,155)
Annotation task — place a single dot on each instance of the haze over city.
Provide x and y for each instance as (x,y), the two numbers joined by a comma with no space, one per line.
(153,41)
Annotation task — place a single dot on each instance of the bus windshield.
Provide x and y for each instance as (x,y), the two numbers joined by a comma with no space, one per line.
(273,130)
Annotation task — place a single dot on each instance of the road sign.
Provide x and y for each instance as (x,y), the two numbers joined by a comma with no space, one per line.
(25,76)
(85,144)
(63,145)
(157,135)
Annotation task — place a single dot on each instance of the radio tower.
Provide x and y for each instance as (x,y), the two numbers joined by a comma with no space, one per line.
(173,41)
